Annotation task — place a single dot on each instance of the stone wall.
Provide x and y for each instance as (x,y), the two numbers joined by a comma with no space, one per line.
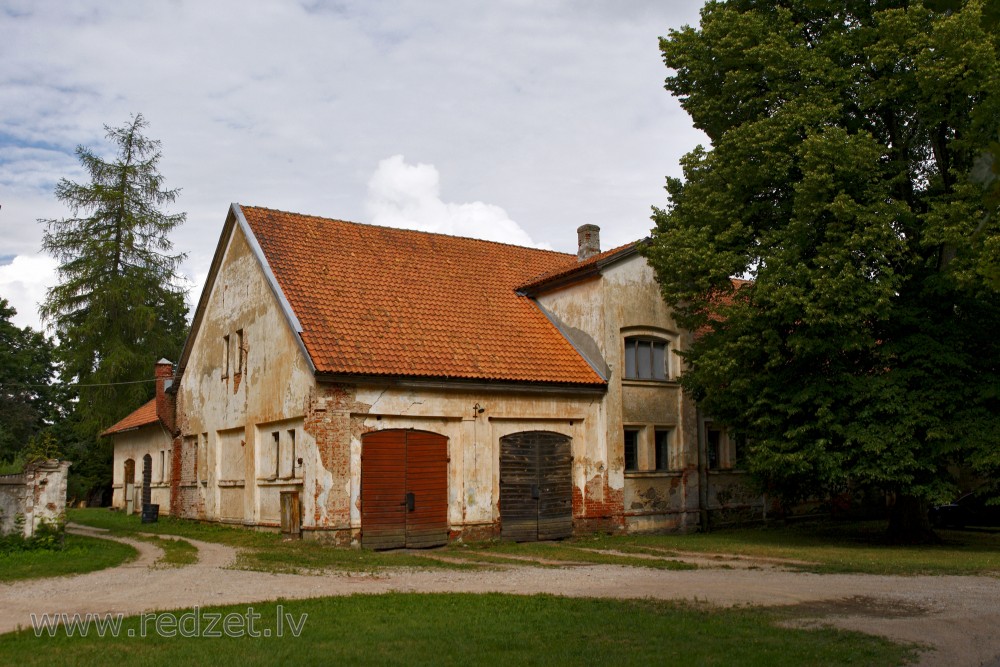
(37,494)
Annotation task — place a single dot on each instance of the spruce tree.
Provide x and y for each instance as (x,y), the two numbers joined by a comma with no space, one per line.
(118,306)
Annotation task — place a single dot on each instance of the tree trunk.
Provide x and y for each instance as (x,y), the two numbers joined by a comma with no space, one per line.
(909,523)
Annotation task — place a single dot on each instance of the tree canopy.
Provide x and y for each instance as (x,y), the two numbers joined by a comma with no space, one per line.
(842,182)
(118,306)
(28,399)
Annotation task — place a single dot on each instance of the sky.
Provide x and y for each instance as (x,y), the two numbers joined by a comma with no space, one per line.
(511,120)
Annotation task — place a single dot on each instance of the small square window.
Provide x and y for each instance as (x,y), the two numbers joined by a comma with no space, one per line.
(631,449)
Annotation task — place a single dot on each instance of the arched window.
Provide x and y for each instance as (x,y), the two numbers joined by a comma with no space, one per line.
(646,359)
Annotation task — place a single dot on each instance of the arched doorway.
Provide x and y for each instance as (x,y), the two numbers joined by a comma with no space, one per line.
(404,489)
(536,486)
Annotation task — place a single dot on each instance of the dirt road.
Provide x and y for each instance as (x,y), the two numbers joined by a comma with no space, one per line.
(959,617)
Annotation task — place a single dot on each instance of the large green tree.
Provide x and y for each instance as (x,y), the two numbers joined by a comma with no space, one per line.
(118,306)
(840,180)
(29,401)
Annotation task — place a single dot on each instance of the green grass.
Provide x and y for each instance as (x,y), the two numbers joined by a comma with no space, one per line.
(176,552)
(457,629)
(568,552)
(260,551)
(302,556)
(830,548)
(827,547)
(80,554)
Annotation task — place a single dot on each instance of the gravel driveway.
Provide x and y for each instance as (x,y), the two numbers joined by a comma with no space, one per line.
(958,617)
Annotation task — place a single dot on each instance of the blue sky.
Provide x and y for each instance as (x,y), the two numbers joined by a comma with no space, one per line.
(512,120)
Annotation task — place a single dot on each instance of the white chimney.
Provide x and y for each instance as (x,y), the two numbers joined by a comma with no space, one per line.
(588,241)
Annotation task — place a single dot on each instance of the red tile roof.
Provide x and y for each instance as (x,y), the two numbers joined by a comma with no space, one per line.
(142,417)
(384,301)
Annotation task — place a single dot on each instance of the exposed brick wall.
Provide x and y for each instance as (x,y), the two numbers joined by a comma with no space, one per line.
(328,421)
(166,403)
(598,506)
(175,478)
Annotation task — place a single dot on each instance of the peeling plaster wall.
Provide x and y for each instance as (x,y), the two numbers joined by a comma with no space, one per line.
(732,498)
(625,301)
(226,418)
(37,494)
(134,445)
(474,442)
(228,467)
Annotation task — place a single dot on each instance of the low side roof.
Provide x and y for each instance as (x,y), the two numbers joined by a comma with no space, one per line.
(143,416)
(383,301)
(574,270)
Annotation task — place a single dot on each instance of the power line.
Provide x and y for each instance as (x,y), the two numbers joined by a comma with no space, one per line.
(82,384)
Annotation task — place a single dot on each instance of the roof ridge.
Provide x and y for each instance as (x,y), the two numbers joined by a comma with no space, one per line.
(406,229)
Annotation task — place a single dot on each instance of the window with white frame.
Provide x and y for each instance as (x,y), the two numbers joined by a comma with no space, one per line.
(723,448)
(649,448)
(646,358)
(631,449)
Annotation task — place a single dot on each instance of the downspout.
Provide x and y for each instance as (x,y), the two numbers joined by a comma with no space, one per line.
(702,473)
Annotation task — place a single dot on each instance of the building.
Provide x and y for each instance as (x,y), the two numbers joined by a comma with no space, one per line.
(392,388)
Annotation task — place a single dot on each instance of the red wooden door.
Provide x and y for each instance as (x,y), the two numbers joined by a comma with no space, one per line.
(404,489)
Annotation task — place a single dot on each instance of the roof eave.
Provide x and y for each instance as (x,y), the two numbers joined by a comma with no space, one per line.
(482,384)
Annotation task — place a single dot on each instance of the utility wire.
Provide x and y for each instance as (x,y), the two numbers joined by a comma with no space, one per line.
(80,384)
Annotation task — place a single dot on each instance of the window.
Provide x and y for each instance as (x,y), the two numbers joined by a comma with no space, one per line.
(276,436)
(713,437)
(225,356)
(631,449)
(646,359)
(201,464)
(291,447)
(239,351)
(163,466)
(661,449)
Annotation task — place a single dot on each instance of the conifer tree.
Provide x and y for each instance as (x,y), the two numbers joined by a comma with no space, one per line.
(118,306)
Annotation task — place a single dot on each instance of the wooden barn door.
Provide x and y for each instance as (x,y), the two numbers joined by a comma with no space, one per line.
(404,489)
(536,487)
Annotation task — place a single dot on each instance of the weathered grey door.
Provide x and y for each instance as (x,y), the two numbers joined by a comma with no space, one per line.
(536,487)
(128,484)
(404,489)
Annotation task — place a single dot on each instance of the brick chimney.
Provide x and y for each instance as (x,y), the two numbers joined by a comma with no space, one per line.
(165,402)
(588,241)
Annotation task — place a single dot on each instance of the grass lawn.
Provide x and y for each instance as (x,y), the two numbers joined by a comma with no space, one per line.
(258,550)
(831,547)
(457,629)
(176,552)
(80,554)
(825,547)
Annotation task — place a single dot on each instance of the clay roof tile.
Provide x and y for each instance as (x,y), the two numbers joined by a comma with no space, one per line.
(384,301)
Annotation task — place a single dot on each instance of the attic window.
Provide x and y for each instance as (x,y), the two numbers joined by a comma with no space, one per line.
(225,356)
(646,359)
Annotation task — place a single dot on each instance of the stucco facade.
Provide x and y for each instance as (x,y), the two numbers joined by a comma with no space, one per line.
(259,422)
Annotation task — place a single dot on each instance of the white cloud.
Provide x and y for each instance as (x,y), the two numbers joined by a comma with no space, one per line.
(409,196)
(23,283)
(553,111)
